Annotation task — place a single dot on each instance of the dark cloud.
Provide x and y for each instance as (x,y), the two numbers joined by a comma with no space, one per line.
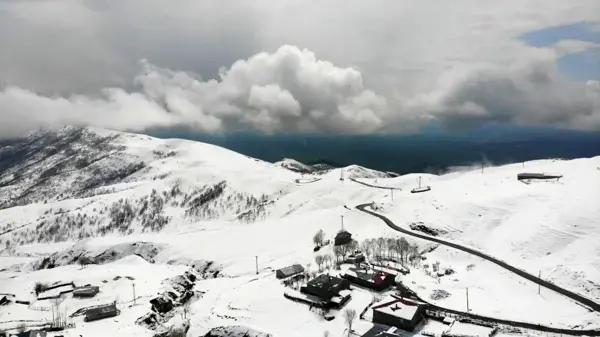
(529,94)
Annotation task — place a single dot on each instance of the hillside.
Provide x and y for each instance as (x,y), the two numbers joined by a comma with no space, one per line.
(151,212)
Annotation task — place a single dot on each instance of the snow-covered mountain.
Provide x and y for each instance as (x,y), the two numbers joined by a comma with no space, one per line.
(158,213)
(296,166)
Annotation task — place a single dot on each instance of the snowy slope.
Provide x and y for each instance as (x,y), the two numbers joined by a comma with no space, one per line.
(546,226)
(194,205)
(296,166)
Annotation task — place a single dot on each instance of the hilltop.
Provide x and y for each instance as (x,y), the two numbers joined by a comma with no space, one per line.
(150,211)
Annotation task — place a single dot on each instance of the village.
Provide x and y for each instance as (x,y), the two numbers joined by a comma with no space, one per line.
(359,284)
(374,270)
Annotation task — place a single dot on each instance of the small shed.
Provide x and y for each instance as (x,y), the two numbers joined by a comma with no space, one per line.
(101,312)
(356,258)
(87,291)
(289,271)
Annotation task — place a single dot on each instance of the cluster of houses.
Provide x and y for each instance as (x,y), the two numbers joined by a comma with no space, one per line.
(59,290)
(393,315)
(393,310)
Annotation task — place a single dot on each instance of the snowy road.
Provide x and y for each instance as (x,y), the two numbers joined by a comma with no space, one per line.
(573,296)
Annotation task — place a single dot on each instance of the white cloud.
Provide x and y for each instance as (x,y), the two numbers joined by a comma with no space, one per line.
(568,46)
(531,93)
(390,65)
(289,90)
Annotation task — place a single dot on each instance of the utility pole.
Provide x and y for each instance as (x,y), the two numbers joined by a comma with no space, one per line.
(539,285)
(133,286)
(342,216)
(467,299)
(481,167)
(392,190)
(256,264)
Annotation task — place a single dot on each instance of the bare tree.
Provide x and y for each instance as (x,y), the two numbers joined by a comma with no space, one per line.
(22,327)
(352,246)
(319,261)
(403,247)
(330,259)
(365,247)
(337,251)
(414,252)
(185,310)
(390,244)
(318,238)
(39,287)
(349,317)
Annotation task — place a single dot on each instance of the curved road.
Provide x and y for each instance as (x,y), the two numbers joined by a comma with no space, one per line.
(573,296)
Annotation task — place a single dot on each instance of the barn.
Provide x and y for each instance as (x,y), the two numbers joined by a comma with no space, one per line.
(289,271)
(101,312)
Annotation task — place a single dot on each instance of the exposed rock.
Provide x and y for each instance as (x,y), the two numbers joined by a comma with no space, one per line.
(439,294)
(420,227)
(235,331)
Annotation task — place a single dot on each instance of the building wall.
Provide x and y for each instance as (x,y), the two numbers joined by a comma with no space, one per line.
(387,319)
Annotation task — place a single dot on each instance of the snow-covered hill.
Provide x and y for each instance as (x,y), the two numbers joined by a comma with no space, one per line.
(296,166)
(152,212)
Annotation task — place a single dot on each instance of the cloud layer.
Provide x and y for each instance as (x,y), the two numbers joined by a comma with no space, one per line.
(367,67)
(288,90)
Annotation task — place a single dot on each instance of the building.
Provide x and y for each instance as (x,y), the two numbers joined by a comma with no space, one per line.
(332,289)
(101,312)
(377,280)
(32,333)
(289,271)
(356,258)
(87,291)
(398,312)
(539,176)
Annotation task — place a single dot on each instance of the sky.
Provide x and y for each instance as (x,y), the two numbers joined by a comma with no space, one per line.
(335,67)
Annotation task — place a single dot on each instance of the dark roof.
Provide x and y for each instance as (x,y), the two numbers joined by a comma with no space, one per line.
(537,176)
(325,281)
(101,310)
(370,275)
(291,270)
